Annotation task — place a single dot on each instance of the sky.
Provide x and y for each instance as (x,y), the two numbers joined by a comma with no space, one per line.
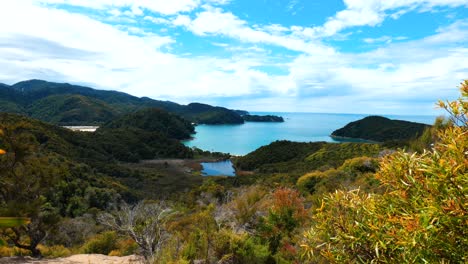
(332,56)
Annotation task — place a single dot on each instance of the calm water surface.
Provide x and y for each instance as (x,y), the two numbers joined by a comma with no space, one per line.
(302,127)
(219,168)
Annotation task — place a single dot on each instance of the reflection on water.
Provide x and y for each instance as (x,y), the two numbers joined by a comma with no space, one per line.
(219,168)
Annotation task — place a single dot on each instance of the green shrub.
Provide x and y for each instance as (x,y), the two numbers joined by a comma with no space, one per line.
(125,247)
(308,182)
(101,244)
(239,248)
(360,165)
(57,251)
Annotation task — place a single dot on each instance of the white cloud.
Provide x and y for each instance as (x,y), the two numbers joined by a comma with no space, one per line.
(157,20)
(159,6)
(214,21)
(419,70)
(383,39)
(82,50)
(181,20)
(373,12)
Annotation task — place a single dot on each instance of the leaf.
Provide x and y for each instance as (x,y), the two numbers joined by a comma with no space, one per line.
(7,222)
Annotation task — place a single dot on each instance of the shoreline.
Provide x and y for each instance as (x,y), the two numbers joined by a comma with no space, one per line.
(358,140)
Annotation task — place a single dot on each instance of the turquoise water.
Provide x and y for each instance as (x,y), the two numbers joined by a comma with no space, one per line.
(219,168)
(302,127)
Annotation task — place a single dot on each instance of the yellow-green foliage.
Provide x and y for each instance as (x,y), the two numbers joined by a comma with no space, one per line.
(108,243)
(101,244)
(6,222)
(125,247)
(247,204)
(310,180)
(57,251)
(421,218)
(337,152)
(6,251)
(354,173)
(360,165)
(239,248)
(195,233)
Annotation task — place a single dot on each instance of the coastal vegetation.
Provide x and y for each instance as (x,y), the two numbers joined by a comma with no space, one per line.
(297,157)
(290,203)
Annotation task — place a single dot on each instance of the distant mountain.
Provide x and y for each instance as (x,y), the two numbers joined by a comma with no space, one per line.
(66,104)
(241,112)
(381,129)
(265,118)
(207,114)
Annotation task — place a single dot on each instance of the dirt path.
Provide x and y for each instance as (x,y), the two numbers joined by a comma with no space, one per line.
(76,259)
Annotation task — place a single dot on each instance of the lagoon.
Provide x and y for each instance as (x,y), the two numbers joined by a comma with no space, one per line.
(218,168)
(301,127)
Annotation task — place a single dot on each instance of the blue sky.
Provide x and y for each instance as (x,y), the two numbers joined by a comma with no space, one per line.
(352,56)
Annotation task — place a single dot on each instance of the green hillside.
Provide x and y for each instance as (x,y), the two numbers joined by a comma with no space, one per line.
(153,119)
(207,114)
(381,129)
(66,104)
(299,157)
(265,118)
(72,109)
(108,149)
(120,141)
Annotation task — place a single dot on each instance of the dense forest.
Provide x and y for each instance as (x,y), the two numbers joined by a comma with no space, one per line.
(67,192)
(66,104)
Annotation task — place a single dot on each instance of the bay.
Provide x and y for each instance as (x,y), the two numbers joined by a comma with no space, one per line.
(300,127)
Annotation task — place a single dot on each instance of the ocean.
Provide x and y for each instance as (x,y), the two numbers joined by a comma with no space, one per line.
(301,127)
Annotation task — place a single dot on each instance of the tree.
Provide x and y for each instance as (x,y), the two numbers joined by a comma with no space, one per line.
(26,175)
(144,223)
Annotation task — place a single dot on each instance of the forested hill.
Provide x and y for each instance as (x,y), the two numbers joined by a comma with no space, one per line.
(146,134)
(381,129)
(66,104)
(266,118)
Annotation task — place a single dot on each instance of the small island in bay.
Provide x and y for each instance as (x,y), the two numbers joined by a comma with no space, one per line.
(381,129)
(265,118)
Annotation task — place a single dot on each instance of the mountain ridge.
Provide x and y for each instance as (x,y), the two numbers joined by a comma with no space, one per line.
(23,97)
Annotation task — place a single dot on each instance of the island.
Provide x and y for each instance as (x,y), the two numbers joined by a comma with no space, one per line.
(264,118)
(380,129)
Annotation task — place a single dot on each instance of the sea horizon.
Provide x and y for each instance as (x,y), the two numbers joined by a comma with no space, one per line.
(242,139)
